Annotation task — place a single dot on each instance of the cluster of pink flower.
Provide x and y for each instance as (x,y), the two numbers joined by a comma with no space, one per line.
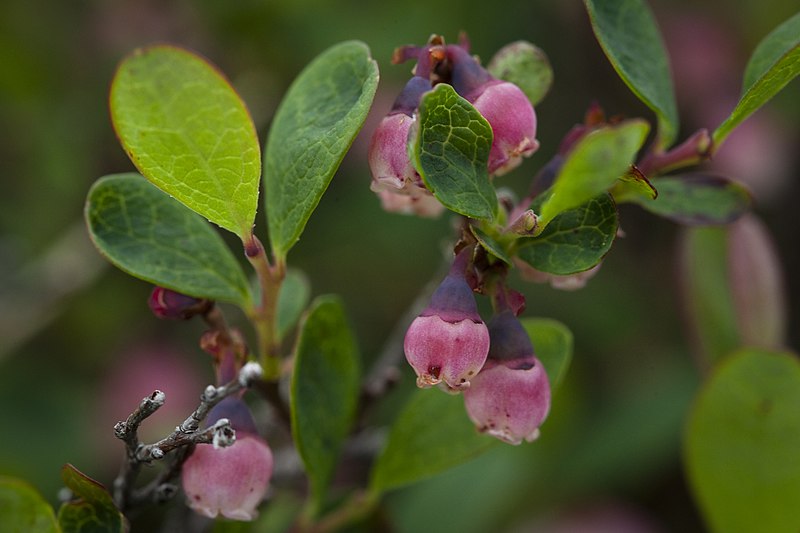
(504,106)
(506,389)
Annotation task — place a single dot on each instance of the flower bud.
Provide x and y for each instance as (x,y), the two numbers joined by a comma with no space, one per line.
(504,106)
(394,178)
(510,397)
(229,481)
(448,342)
(168,304)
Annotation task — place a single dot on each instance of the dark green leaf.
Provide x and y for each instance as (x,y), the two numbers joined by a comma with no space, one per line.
(526,66)
(313,128)
(152,237)
(576,240)
(593,166)
(774,63)
(292,300)
(324,392)
(491,245)
(431,434)
(630,38)
(710,309)
(697,199)
(92,510)
(187,131)
(451,153)
(742,439)
(552,343)
(23,510)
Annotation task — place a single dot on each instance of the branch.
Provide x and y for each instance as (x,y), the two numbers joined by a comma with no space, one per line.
(186,435)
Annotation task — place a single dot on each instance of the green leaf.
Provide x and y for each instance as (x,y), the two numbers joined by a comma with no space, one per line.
(774,63)
(324,390)
(430,435)
(526,66)
(709,306)
(292,300)
(633,186)
(741,444)
(593,166)
(93,510)
(629,36)
(313,128)
(150,236)
(451,153)
(552,343)
(491,245)
(187,131)
(576,240)
(23,510)
(697,199)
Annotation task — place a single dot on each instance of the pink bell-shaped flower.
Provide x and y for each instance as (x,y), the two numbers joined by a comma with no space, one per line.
(510,397)
(448,342)
(394,177)
(229,481)
(504,106)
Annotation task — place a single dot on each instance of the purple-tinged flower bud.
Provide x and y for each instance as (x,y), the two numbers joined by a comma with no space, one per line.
(504,106)
(229,481)
(168,304)
(448,342)
(510,397)
(394,178)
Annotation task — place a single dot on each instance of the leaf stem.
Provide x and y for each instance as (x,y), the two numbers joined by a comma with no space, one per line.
(264,315)
(694,150)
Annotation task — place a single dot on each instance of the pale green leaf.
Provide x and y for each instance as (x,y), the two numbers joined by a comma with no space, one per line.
(313,128)
(774,63)
(741,444)
(187,131)
(526,66)
(593,166)
(23,510)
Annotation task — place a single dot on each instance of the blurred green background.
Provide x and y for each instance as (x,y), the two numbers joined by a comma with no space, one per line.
(79,348)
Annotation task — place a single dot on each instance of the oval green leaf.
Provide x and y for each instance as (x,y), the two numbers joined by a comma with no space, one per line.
(629,36)
(92,510)
(593,166)
(576,240)
(708,302)
(292,300)
(526,66)
(22,508)
(697,199)
(313,128)
(324,391)
(552,343)
(741,444)
(451,153)
(774,63)
(152,237)
(430,435)
(187,131)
